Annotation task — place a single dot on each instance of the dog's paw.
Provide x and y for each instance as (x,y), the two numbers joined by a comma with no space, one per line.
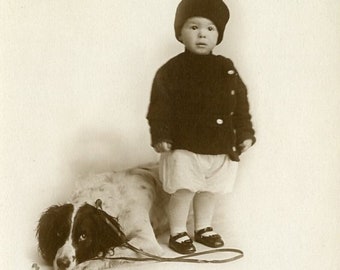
(89,265)
(147,246)
(123,252)
(99,264)
(154,250)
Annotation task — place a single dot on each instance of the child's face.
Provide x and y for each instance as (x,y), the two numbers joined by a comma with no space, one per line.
(199,35)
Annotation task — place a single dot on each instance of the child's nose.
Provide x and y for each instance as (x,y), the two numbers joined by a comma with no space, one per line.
(201,33)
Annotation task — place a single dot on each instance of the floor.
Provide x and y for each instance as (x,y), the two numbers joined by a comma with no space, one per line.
(269,238)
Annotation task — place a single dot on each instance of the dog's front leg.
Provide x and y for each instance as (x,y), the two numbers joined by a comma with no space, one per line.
(147,243)
(99,264)
(142,236)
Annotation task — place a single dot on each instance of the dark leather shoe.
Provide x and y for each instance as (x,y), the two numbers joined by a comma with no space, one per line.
(185,247)
(213,241)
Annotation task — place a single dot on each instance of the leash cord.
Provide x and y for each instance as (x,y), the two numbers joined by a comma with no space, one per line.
(185,258)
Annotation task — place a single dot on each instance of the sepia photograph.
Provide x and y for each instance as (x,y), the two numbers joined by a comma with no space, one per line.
(167,134)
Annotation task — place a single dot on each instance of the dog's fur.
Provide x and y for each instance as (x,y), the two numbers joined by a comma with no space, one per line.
(71,234)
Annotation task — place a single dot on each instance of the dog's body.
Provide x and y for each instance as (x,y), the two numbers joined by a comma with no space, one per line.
(71,234)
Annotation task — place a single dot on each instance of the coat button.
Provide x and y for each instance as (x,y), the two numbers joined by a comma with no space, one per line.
(232,113)
(219,121)
(231,72)
(232,92)
(234,148)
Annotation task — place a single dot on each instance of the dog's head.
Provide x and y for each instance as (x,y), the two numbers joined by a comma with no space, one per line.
(68,235)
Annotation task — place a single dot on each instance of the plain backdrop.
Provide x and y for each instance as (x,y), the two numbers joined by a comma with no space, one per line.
(75,78)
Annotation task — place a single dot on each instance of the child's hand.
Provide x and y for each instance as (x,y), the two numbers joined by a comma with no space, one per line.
(163,147)
(245,145)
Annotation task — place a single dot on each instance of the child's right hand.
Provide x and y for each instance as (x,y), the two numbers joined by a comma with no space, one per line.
(163,147)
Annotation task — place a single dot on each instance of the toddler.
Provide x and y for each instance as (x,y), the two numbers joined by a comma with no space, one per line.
(199,121)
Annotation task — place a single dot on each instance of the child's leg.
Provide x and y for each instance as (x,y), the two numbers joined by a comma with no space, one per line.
(204,206)
(179,206)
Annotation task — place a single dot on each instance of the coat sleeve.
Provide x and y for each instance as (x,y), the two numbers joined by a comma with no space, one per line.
(242,117)
(159,112)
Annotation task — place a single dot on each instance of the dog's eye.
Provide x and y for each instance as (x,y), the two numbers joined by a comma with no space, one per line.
(82,237)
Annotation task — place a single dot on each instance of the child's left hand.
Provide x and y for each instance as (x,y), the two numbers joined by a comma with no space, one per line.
(245,145)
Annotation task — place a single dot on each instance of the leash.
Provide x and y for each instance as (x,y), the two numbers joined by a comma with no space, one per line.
(189,258)
(185,258)
(151,257)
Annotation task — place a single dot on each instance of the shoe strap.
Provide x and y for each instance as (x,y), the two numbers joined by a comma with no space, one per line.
(180,235)
(202,231)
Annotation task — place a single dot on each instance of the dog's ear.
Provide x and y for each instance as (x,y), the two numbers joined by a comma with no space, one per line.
(95,232)
(111,229)
(110,225)
(53,229)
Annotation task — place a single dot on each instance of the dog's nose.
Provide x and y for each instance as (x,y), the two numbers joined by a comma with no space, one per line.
(63,263)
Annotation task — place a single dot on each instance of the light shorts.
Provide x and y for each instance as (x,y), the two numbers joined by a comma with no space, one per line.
(182,169)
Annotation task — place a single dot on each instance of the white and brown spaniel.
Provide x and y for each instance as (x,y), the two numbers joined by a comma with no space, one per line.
(70,235)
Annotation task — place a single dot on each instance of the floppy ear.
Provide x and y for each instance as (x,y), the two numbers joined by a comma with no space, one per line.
(110,226)
(95,232)
(53,229)
(111,229)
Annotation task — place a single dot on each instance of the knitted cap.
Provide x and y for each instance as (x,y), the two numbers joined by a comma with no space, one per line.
(214,10)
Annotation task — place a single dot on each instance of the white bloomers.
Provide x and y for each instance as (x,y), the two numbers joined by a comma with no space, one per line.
(182,169)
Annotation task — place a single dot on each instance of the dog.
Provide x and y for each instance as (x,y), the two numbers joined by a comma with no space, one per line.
(71,235)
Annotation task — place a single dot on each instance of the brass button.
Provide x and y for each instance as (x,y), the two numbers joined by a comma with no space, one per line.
(231,72)
(232,92)
(219,121)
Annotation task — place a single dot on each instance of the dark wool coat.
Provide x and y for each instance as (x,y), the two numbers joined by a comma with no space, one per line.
(199,103)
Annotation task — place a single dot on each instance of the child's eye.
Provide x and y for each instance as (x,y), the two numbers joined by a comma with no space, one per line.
(194,27)
(211,28)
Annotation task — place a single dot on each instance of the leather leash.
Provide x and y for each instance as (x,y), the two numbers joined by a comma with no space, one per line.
(185,258)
